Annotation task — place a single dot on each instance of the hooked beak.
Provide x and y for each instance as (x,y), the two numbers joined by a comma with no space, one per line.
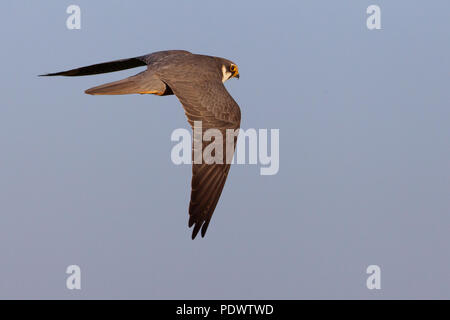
(236,75)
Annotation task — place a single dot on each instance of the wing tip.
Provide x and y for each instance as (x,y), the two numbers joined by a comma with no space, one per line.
(62,73)
(196,229)
(199,225)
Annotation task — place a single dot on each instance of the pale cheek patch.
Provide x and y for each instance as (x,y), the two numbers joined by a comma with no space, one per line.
(225,74)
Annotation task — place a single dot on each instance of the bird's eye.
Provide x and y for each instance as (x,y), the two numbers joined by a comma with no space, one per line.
(233,68)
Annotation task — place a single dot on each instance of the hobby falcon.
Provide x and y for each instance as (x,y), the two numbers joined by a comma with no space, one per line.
(197,81)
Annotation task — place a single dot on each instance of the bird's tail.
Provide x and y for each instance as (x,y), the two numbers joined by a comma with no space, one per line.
(143,83)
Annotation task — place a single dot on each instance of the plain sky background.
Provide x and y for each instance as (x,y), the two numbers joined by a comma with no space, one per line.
(364,119)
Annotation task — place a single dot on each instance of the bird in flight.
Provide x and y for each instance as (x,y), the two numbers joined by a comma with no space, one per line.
(198,82)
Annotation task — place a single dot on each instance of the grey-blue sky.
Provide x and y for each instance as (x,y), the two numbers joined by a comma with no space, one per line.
(364,153)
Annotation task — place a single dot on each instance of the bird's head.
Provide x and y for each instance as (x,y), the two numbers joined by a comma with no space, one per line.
(229,70)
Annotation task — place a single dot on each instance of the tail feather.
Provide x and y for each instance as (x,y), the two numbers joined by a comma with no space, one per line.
(141,83)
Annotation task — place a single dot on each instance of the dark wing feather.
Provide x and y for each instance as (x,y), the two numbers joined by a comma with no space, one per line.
(104,67)
(209,102)
(117,65)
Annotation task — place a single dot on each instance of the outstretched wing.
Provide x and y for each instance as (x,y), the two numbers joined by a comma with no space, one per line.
(146,82)
(104,67)
(209,102)
(117,65)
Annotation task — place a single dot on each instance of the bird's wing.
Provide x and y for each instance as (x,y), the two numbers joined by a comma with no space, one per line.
(209,102)
(117,65)
(104,67)
(143,82)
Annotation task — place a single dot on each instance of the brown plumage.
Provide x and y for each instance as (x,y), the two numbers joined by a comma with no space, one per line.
(197,81)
